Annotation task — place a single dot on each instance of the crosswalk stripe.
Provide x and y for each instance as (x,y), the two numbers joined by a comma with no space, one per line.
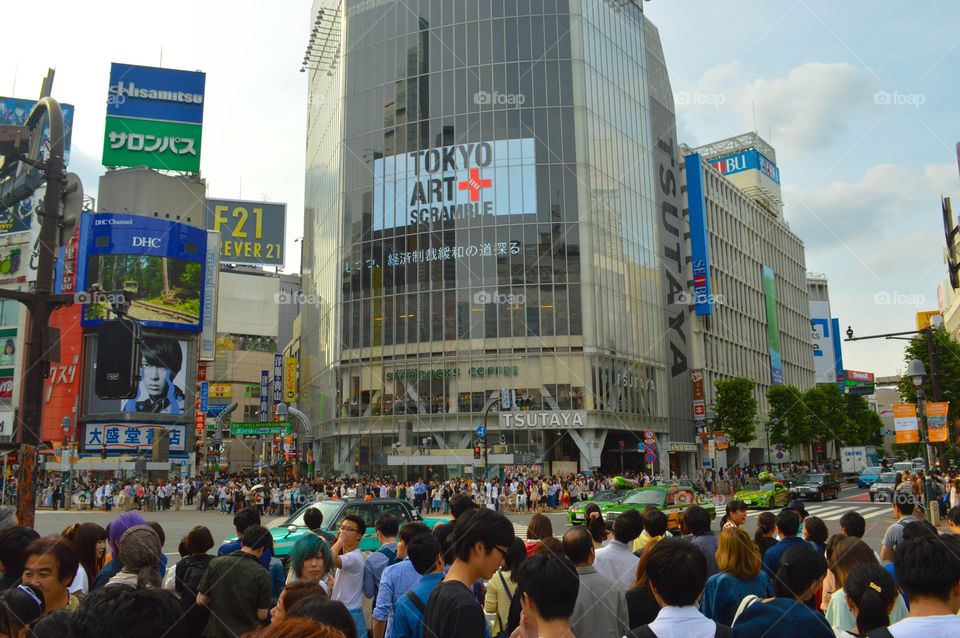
(827,512)
(875,512)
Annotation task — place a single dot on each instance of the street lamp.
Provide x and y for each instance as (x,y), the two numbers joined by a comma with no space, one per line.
(65,424)
(918,373)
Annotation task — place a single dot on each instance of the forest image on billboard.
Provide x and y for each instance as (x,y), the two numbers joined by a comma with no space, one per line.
(161,288)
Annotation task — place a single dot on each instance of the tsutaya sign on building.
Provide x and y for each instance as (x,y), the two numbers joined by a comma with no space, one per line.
(459,183)
(543,420)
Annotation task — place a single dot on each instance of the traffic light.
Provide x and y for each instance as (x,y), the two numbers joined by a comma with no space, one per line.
(117,370)
(476,453)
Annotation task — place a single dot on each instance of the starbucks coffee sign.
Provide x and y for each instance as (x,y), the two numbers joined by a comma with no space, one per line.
(543,420)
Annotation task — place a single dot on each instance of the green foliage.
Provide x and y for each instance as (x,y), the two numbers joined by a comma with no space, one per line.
(788,419)
(946,352)
(828,413)
(735,410)
(865,427)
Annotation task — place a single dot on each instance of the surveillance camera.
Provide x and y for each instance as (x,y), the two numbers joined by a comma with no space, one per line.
(849,332)
(96,287)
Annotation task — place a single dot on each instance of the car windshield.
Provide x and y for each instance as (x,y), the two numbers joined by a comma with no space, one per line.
(605,496)
(872,471)
(889,477)
(761,487)
(645,497)
(329,511)
(812,479)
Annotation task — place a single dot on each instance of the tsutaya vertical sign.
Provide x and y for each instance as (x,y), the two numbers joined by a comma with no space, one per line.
(458,183)
(905,423)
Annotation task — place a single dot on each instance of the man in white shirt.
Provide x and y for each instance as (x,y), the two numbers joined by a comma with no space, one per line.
(615,560)
(677,573)
(928,573)
(348,584)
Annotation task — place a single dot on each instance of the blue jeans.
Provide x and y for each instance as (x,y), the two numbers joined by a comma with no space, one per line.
(357,615)
(223,505)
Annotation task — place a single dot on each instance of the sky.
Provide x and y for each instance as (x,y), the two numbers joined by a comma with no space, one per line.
(858,98)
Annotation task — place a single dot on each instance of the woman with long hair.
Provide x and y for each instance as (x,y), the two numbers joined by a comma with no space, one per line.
(766,528)
(91,542)
(739,575)
(642,607)
(311,559)
(539,529)
(871,596)
(848,554)
(596,525)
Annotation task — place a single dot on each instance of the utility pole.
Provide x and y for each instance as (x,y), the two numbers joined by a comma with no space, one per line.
(40,303)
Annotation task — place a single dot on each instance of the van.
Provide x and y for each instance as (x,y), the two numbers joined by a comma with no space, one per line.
(901,466)
(919,464)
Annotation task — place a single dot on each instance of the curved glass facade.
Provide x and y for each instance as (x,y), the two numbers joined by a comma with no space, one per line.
(482,224)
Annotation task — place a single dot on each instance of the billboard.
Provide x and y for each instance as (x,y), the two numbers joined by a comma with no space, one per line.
(905,423)
(130,437)
(154,118)
(157,262)
(860,383)
(14,112)
(928,318)
(773,326)
(250,232)
(823,353)
(290,379)
(448,185)
(937,421)
(744,161)
(699,242)
(163,381)
(211,280)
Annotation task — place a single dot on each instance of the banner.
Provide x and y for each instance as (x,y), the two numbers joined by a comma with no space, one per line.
(290,379)
(905,423)
(264,395)
(278,427)
(128,436)
(720,438)
(277,379)
(773,326)
(937,421)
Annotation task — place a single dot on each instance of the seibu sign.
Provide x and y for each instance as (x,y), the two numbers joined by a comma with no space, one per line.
(542,420)
(457,183)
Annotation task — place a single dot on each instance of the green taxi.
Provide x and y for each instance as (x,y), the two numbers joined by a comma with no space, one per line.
(575,514)
(671,499)
(759,495)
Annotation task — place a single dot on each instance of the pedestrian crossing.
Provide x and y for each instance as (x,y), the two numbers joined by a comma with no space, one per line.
(835,511)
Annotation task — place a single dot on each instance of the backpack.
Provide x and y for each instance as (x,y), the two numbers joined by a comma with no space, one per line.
(189,573)
(391,555)
(644,631)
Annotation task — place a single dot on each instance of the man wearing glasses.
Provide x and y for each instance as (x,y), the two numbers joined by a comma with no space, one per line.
(348,584)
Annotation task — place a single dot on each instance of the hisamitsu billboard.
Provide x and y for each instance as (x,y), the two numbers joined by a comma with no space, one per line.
(250,232)
(149,93)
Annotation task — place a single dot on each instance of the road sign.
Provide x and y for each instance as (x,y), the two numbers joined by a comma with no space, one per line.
(779,455)
(640,445)
(649,434)
(482,431)
(779,446)
(649,457)
(650,446)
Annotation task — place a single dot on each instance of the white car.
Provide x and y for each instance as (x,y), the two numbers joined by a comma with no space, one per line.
(883,488)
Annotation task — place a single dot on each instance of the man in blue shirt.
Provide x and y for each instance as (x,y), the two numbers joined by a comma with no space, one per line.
(396,580)
(788,524)
(419,494)
(243,519)
(387,527)
(427,558)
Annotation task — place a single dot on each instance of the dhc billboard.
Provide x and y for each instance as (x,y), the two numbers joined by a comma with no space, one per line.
(699,244)
(156,264)
(746,161)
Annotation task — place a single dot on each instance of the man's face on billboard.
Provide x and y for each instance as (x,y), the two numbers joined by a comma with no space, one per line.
(154,378)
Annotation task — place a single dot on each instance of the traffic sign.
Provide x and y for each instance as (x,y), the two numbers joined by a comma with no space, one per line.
(779,455)
(650,446)
(649,457)
(779,446)
(482,431)
(640,445)
(649,434)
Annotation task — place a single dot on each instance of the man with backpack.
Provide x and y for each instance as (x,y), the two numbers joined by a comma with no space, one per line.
(387,527)
(427,558)
(396,580)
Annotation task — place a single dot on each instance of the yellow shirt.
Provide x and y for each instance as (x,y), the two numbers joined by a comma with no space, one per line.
(497,600)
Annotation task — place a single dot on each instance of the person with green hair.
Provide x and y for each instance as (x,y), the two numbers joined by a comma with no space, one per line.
(311,559)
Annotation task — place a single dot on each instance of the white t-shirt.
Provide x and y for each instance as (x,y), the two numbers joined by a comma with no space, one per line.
(80,582)
(927,627)
(348,584)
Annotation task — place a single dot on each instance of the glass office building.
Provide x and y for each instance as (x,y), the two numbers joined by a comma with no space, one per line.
(493,238)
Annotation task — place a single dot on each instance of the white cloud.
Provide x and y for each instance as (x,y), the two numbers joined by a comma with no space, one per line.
(809,108)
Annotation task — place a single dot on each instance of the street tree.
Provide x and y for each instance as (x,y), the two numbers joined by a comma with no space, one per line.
(828,414)
(788,419)
(735,410)
(865,426)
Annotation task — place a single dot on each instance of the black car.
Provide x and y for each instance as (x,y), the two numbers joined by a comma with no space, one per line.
(818,486)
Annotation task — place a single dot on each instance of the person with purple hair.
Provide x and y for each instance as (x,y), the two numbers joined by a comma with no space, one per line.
(114,531)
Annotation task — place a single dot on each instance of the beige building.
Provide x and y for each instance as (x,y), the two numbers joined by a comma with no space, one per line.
(746,232)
